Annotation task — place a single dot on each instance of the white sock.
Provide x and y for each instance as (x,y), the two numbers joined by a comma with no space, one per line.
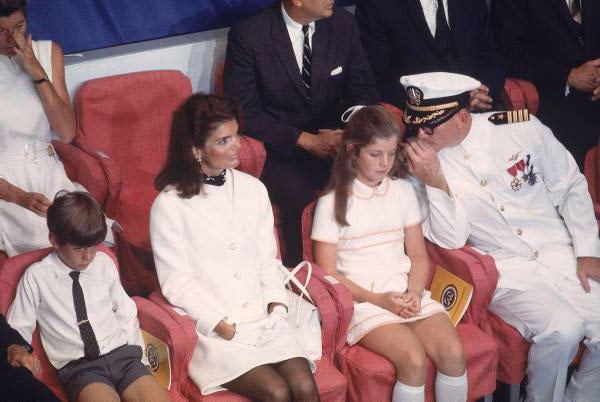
(451,389)
(408,393)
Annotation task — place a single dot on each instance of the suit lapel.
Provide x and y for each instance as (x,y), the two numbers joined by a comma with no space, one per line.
(590,10)
(284,50)
(320,40)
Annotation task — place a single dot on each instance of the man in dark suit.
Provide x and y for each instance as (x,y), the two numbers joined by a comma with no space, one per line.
(294,68)
(403,37)
(17,367)
(556,45)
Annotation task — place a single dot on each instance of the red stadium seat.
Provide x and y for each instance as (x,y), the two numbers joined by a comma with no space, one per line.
(152,319)
(371,377)
(591,174)
(520,94)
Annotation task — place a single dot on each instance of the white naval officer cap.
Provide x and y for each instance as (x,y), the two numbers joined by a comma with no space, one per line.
(433,98)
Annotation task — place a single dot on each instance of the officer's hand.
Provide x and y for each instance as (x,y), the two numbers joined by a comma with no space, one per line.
(17,356)
(479,98)
(423,163)
(588,268)
(586,77)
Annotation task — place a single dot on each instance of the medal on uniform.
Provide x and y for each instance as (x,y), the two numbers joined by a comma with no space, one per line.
(516,182)
(530,177)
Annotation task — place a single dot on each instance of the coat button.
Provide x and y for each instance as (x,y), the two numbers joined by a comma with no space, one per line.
(237,275)
(246,305)
(483,182)
(467,156)
(519,232)
(502,208)
(536,254)
(233,246)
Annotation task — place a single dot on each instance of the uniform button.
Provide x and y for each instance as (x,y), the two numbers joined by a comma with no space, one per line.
(483,182)
(519,232)
(536,254)
(233,246)
(237,275)
(502,208)
(246,305)
(467,156)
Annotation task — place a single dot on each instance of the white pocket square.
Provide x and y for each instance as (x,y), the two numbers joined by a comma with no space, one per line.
(336,70)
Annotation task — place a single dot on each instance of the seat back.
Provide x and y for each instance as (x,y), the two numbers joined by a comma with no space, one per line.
(128,117)
(520,94)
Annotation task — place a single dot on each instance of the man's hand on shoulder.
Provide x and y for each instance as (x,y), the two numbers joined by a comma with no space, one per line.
(588,268)
(17,356)
(423,163)
(323,144)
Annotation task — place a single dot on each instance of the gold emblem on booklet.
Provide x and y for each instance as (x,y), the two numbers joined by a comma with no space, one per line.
(157,353)
(452,292)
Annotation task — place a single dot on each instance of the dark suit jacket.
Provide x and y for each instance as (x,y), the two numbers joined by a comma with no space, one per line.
(8,336)
(540,43)
(263,77)
(398,42)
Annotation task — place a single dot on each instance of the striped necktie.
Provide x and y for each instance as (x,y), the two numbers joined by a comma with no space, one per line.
(90,344)
(306,60)
(575,10)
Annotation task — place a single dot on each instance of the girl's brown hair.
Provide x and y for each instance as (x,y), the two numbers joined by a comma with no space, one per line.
(193,123)
(365,126)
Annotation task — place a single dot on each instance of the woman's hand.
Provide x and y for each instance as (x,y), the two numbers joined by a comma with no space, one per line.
(24,49)
(35,202)
(225,330)
(413,303)
(391,301)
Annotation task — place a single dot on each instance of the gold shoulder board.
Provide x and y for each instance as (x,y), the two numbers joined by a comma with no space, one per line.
(510,116)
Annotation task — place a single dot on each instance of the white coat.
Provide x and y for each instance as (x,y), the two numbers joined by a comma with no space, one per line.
(215,256)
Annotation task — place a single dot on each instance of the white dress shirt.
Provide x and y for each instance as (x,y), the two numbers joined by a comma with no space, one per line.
(430,10)
(45,294)
(520,223)
(296,35)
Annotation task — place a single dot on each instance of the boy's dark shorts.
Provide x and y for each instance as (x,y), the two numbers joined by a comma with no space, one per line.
(117,369)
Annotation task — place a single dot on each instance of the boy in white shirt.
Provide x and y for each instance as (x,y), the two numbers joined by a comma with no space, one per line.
(88,324)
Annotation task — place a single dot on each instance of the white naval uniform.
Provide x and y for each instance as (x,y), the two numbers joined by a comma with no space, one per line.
(216,258)
(518,195)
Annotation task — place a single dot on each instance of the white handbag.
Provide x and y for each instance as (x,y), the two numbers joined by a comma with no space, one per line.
(303,316)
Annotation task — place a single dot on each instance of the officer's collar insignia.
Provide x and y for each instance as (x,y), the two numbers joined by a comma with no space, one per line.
(415,96)
(510,116)
(527,175)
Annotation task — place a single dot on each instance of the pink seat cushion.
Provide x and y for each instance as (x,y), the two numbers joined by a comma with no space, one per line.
(371,377)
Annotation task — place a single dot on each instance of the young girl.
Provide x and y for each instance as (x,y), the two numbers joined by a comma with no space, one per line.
(212,236)
(367,234)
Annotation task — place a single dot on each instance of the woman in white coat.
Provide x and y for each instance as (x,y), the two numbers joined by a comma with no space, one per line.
(214,247)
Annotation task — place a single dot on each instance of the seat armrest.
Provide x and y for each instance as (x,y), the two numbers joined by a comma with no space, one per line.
(341,297)
(83,169)
(477,269)
(112,174)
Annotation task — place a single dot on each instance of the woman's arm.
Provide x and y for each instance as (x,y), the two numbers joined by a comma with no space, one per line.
(35,202)
(53,95)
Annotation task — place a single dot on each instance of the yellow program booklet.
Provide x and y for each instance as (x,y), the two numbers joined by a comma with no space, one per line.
(157,353)
(452,292)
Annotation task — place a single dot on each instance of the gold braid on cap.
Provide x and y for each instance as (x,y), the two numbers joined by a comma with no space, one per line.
(408,119)
(432,108)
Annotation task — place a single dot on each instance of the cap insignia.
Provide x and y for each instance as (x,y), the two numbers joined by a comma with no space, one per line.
(415,96)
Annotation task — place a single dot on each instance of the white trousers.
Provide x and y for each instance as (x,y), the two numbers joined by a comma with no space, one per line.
(555,315)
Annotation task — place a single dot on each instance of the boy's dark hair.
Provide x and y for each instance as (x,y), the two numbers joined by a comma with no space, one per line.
(77,219)
(8,7)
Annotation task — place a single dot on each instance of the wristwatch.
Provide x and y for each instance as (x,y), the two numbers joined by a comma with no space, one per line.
(43,79)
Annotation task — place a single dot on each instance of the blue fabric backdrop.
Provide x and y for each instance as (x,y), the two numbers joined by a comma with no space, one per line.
(79,25)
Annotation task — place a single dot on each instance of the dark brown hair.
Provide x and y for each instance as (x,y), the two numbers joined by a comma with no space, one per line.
(8,7)
(365,126)
(77,219)
(193,123)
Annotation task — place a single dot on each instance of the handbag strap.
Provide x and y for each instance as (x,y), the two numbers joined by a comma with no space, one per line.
(290,276)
